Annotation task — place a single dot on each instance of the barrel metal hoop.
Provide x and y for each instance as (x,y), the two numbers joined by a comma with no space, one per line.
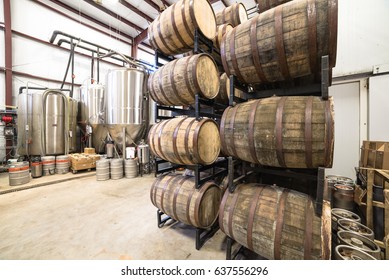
(202,191)
(185,21)
(329,134)
(150,85)
(231,213)
(280,47)
(162,155)
(160,80)
(172,178)
(333,30)
(235,14)
(176,191)
(308,132)
(279,224)
(232,121)
(187,131)
(279,128)
(153,191)
(196,153)
(188,205)
(312,35)
(233,57)
(177,33)
(186,77)
(224,56)
(151,34)
(253,209)
(308,230)
(255,51)
(152,137)
(192,14)
(222,128)
(175,133)
(162,38)
(194,74)
(222,210)
(253,112)
(174,87)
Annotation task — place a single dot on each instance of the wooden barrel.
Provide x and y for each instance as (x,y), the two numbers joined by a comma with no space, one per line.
(177,82)
(176,196)
(224,91)
(264,5)
(274,222)
(184,140)
(172,32)
(220,31)
(234,15)
(294,131)
(282,43)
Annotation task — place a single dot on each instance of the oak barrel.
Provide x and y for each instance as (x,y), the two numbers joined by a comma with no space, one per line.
(177,82)
(293,131)
(172,32)
(264,5)
(282,43)
(274,222)
(176,196)
(234,15)
(220,31)
(224,91)
(184,140)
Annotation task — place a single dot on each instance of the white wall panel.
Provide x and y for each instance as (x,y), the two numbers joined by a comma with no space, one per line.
(379,108)
(347,145)
(2,90)
(363,37)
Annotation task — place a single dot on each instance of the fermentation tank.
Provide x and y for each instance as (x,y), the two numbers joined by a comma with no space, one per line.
(126,106)
(73,110)
(44,123)
(92,113)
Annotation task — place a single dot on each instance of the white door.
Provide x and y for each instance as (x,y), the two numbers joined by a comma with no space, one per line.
(379,108)
(346,148)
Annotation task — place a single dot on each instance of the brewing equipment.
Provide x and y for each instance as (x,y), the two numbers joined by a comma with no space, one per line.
(143,152)
(91,117)
(46,125)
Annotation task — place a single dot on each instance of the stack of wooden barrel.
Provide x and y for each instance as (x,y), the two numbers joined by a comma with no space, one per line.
(184,140)
(280,44)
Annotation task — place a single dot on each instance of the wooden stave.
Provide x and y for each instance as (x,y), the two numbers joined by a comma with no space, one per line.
(182,85)
(278,66)
(272,208)
(179,43)
(171,191)
(264,5)
(188,153)
(231,15)
(252,134)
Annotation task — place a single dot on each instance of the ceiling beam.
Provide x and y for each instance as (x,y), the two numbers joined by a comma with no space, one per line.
(141,37)
(136,10)
(92,19)
(153,5)
(114,15)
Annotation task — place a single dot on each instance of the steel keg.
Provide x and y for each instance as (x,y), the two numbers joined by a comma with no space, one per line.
(350,225)
(48,164)
(338,213)
(102,169)
(36,167)
(359,241)
(131,168)
(62,164)
(19,173)
(116,168)
(345,252)
(343,196)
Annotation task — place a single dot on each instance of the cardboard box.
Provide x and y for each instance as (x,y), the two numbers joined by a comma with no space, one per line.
(89,151)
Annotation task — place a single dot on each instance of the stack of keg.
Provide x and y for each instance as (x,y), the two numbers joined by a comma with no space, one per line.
(116,168)
(48,164)
(62,164)
(19,173)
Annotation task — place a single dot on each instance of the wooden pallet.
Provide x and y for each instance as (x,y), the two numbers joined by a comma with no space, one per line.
(370,203)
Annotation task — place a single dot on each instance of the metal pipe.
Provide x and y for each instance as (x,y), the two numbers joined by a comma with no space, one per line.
(72,86)
(39,88)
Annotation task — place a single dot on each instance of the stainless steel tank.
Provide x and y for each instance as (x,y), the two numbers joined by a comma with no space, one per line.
(73,110)
(30,124)
(43,123)
(126,106)
(92,112)
(54,111)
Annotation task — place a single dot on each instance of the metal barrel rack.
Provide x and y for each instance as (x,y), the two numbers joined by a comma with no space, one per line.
(201,108)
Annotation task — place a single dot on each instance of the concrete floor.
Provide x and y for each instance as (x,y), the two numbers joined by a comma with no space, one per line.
(82,218)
